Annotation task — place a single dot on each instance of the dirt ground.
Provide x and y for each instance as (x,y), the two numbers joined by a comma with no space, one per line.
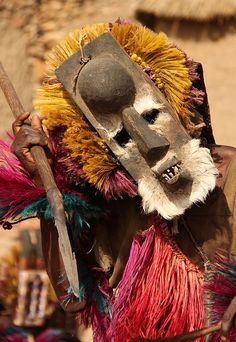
(217,58)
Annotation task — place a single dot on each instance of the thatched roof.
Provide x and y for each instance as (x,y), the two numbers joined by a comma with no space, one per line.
(197,10)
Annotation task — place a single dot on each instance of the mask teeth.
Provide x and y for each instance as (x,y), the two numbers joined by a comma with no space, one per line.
(171,175)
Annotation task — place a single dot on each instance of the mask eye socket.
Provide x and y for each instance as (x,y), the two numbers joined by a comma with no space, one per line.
(151,115)
(122,137)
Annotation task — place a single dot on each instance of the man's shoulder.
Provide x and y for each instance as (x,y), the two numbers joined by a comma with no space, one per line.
(223,157)
(223,150)
(225,160)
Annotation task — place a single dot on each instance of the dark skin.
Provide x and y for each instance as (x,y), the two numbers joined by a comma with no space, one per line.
(27,136)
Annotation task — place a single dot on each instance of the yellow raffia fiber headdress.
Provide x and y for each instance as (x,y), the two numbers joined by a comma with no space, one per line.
(149,50)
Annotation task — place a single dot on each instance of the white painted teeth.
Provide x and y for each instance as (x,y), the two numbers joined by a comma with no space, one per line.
(171,175)
(176,169)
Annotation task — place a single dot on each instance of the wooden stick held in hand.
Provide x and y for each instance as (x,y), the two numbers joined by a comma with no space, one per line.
(53,194)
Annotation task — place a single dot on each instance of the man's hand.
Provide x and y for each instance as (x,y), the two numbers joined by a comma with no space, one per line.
(26,136)
(229,320)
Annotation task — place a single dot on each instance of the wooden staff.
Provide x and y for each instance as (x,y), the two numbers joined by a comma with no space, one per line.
(53,194)
(188,336)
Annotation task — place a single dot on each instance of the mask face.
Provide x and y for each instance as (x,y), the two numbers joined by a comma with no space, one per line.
(183,175)
(140,128)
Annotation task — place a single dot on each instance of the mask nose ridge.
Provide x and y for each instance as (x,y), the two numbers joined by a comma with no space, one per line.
(151,145)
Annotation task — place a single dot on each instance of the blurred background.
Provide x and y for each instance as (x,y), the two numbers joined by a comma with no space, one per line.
(204,29)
